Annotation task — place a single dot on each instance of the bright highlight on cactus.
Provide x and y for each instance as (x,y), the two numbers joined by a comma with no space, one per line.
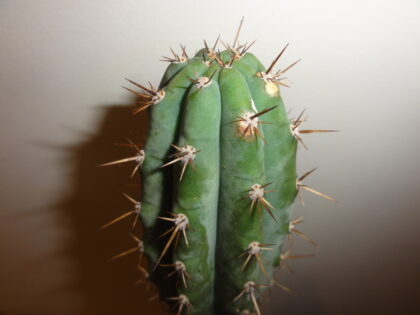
(219,171)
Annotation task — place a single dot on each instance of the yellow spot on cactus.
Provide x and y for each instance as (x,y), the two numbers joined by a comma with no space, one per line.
(272,89)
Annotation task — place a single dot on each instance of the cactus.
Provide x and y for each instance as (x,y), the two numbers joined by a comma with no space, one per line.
(218,180)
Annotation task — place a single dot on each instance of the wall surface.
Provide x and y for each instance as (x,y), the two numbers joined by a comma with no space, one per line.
(62,110)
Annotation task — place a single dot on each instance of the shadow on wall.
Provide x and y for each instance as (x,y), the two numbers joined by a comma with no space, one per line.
(96,198)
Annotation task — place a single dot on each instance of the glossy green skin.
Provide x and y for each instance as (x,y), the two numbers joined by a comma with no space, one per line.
(197,193)
(215,196)
(280,157)
(164,126)
(242,165)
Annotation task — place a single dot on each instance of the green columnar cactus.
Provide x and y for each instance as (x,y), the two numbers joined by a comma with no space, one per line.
(218,180)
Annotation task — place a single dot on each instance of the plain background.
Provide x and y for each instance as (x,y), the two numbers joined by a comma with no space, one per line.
(62,64)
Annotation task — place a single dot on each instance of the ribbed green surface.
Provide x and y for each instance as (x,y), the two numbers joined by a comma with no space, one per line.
(213,194)
(280,157)
(242,165)
(197,193)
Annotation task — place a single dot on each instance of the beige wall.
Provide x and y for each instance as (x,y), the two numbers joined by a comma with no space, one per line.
(62,108)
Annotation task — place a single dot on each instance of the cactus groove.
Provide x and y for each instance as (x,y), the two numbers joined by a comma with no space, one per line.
(218,180)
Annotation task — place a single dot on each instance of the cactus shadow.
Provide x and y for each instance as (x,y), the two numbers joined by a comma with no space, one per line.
(94,198)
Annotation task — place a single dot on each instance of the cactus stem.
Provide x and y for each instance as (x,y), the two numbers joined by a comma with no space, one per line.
(137,209)
(138,248)
(292,229)
(186,155)
(182,302)
(250,288)
(181,223)
(286,255)
(139,158)
(300,186)
(180,269)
